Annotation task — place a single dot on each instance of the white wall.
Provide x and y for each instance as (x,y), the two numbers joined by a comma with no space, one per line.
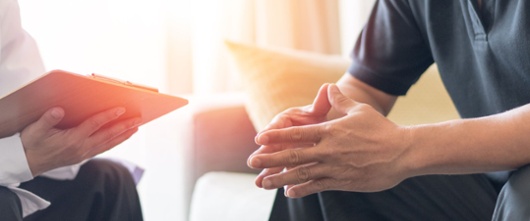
(353,15)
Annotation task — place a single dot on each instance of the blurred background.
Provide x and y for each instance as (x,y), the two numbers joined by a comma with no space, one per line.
(177,46)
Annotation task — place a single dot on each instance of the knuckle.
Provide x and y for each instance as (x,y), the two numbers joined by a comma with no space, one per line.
(320,185)
(303,174)
(294,157)
(328,129)
(335,130)
(332,130)
(295,135)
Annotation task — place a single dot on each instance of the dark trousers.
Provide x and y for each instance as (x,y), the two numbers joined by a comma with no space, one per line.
(436,197)
(102,191)
(10,208)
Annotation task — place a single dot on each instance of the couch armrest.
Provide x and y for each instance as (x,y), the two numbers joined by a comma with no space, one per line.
(223,136)
(215,134)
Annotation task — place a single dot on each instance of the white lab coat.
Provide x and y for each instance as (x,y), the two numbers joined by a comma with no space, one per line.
(20,63)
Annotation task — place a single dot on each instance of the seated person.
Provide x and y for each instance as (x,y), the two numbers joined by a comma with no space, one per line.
(70,188)
(341,159)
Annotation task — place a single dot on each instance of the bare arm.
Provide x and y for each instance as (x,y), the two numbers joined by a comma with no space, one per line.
(492,143)
(497,142)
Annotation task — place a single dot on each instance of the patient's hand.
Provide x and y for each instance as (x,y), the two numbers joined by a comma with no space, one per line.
(48,148)
(298,116)
(362,151)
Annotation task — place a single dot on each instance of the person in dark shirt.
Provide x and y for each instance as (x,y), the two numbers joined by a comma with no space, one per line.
(358,165)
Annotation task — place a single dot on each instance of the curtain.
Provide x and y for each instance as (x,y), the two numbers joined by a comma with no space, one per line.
(311,25)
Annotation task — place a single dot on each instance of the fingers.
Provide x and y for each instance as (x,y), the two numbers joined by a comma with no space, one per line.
(310,187)
(279,121)
(266,172)
(297,175)
(279,147)
(93,151)
(318,109)
(94,123)
(50,118)
(47,147)
(286,158)
(301,181)
(107,134)
(299,134)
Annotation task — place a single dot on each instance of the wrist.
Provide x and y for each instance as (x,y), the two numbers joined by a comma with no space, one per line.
(442,148)
(419,157)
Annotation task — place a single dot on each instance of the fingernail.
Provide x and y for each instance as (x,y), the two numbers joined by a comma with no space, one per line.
(267,184)
(249,161)
(255,162)
(120,111)
(56,113)
(262,139)
(290,193)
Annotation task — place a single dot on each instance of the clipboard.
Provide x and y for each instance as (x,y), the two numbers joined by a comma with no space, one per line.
(81,96)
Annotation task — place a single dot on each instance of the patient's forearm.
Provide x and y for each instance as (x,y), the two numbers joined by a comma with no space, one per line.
(497,142)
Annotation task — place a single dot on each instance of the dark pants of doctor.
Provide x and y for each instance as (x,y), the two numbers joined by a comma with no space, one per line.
(102,190)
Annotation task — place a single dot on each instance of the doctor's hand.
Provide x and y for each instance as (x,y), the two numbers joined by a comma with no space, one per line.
(47,147)
(362,151)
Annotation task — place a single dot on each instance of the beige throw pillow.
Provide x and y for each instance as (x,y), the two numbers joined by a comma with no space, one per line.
(275,79)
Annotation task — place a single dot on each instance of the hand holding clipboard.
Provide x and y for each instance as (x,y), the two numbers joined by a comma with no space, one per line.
(65,118)
(81,97)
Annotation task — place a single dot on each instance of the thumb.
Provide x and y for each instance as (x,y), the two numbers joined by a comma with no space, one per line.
(51,118)
(321,104)
(339,101)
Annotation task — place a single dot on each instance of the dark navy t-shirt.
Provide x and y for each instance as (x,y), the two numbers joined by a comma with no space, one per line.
(483,55)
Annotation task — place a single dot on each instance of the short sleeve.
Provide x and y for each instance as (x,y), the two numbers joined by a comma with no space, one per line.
(390,53)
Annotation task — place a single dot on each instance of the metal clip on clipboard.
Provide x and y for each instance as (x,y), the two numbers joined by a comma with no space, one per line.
(127,83)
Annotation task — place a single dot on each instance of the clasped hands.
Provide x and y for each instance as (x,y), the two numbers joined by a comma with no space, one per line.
(304,152)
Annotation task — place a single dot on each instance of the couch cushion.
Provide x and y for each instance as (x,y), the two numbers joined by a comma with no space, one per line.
(230,196)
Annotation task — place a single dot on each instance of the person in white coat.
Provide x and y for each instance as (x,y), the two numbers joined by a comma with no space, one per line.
(48,173)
